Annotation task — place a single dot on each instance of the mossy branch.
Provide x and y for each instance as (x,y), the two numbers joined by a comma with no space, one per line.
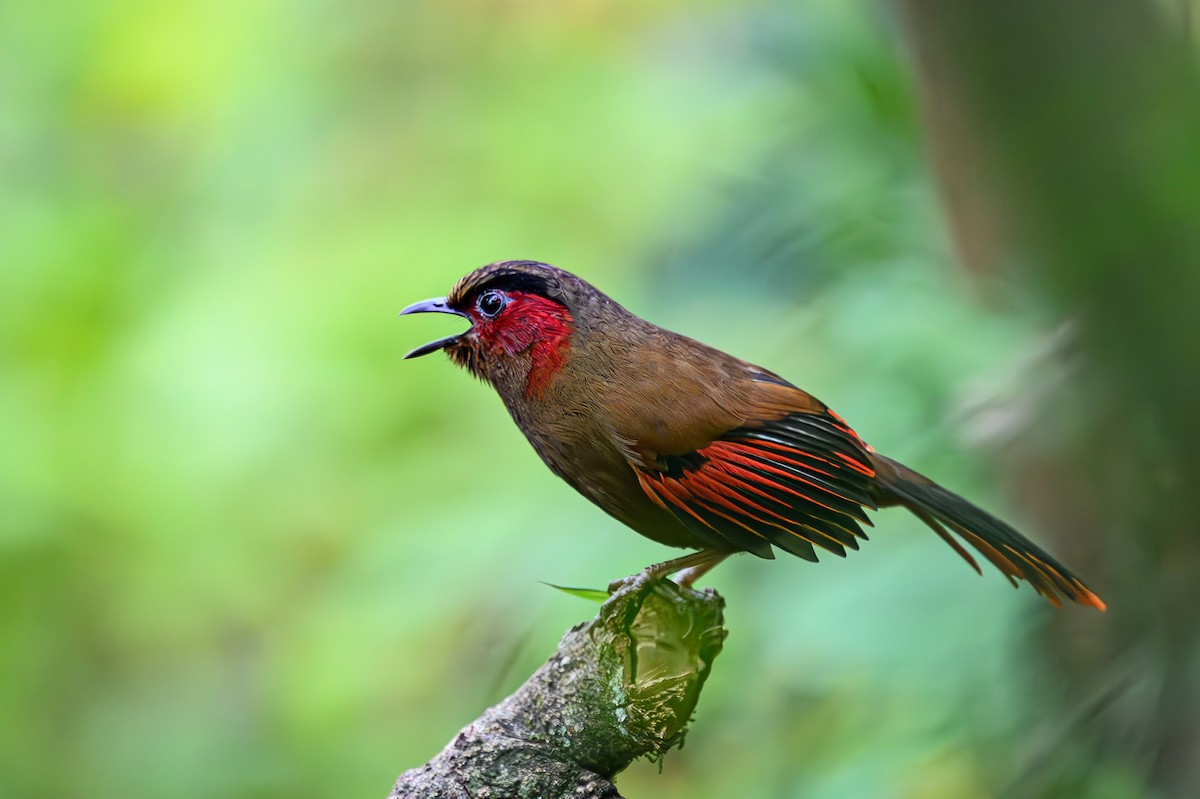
(620,687)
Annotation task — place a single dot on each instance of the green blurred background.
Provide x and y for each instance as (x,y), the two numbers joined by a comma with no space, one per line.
(247,551)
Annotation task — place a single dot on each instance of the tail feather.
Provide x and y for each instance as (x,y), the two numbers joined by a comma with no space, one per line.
(1013,554)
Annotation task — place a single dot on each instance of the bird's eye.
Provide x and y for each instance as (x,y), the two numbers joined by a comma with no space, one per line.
(491,303)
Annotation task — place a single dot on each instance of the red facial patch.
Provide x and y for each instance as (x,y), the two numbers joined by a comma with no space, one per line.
(529,323)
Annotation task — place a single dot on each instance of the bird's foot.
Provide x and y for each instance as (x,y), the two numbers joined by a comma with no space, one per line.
(623,582)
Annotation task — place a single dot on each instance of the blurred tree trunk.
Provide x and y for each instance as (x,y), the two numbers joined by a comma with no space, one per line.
(1066,141)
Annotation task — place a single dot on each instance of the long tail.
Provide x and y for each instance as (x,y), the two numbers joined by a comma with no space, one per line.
(1012,553)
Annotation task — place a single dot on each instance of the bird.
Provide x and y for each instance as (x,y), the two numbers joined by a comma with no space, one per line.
(692,447)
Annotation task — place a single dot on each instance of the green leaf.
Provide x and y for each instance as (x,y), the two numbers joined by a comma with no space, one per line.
(593,594)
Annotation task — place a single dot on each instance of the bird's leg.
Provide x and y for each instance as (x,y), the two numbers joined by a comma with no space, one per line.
(707,560)
(689,568)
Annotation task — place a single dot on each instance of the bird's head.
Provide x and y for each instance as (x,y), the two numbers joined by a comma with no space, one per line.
(523,317)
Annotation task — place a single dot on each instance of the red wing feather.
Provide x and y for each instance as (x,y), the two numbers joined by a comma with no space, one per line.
(796,482)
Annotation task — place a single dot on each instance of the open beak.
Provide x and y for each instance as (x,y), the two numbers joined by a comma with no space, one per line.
(432,306)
